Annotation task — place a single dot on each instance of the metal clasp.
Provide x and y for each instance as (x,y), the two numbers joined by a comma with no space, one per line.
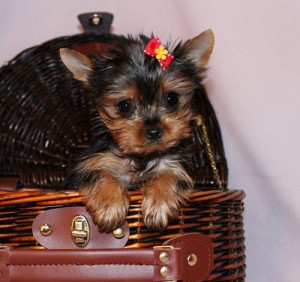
(80,230)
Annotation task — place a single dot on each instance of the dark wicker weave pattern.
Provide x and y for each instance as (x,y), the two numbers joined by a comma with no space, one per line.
(47,120)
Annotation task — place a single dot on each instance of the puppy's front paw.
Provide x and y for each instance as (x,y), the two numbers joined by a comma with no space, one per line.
(107,204)
(109,213)
(164,193)
(158,212)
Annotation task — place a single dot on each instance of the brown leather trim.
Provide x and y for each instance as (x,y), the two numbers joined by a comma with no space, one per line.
(110,265)
(60,221)
(77,265)
(200,247)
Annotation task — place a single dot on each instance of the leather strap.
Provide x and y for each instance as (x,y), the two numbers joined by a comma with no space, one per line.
(186,258)
(64,230)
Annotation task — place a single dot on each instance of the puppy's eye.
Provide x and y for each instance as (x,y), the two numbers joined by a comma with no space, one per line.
(124,107)
(171,99)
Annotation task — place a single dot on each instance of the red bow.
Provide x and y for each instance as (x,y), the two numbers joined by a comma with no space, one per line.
(155,49)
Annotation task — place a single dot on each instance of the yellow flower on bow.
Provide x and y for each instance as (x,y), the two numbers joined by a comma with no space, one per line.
(161,53)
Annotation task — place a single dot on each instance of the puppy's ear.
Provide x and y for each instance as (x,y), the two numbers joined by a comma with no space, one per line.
(79,65)
(199,49)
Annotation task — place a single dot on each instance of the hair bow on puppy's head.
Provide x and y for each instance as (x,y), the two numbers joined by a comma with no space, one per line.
(155,49)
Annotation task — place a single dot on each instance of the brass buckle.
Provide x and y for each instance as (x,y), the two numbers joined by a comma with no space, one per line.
(80,230)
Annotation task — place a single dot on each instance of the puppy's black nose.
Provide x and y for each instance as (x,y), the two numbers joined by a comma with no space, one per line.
(154,133)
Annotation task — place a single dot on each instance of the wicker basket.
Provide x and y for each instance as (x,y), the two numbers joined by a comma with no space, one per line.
(46,122)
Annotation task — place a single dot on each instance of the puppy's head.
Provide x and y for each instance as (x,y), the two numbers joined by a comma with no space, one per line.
(147,108)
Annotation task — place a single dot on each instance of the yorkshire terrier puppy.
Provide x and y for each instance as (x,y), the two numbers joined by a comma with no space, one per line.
(146,96)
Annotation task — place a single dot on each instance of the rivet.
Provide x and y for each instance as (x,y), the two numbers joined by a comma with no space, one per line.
(119,233)
(164,257)
(0,274)
(46,229)
(95,20)
(192,259)
(165,271)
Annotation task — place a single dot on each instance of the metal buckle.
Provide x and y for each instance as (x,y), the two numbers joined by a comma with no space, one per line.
(80,230)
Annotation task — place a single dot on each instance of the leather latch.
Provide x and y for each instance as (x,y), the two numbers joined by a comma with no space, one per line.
(73,228)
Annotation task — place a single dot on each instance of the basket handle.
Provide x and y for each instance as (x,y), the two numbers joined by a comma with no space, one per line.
(188,257)
(97,22)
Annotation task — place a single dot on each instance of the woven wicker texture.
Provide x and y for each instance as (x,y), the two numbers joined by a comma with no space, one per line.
(215,213)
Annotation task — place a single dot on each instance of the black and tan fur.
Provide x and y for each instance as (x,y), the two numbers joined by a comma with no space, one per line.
(147,113)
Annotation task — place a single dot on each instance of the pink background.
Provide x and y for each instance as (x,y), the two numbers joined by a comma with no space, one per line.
(253,83)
